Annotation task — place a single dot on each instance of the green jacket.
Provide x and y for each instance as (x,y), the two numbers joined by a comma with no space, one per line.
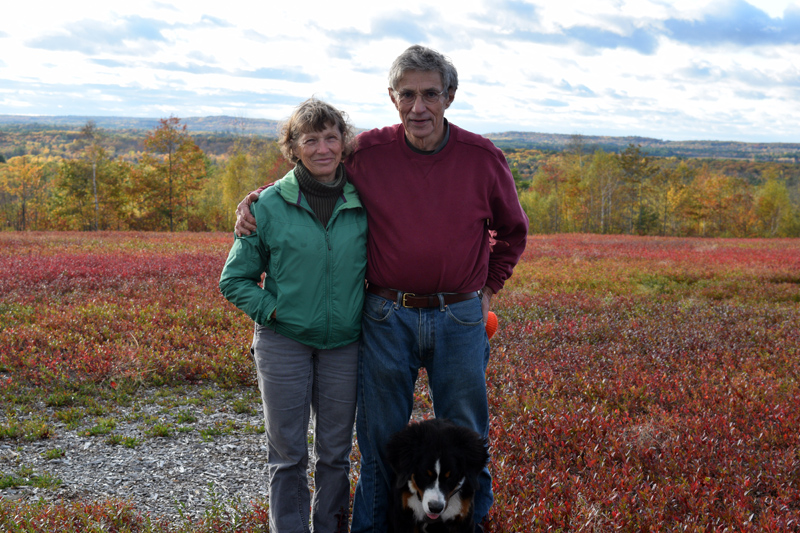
(314,274)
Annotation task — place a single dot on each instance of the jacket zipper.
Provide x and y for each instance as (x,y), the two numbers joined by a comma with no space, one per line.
(328,285)
(328,268)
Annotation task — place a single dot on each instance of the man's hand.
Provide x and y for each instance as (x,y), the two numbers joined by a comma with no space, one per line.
(486,302)
(245,221)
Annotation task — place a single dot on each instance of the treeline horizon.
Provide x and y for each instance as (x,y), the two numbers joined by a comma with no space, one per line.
(216,129)
(168,179)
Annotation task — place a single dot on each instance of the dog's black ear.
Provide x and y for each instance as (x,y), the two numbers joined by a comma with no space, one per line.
(474,450)
(401,453)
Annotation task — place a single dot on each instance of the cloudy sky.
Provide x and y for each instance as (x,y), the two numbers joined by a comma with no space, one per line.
(673,70)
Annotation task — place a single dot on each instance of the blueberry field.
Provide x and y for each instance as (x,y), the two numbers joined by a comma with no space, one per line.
(636,383)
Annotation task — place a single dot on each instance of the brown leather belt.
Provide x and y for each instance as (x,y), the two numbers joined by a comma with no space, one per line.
(409,299)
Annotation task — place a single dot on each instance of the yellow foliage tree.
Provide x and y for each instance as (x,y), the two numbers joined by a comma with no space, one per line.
(22,185)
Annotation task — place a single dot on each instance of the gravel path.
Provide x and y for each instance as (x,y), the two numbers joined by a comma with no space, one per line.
(215,448)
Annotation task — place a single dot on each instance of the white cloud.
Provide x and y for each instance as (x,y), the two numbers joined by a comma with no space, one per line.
(677,69)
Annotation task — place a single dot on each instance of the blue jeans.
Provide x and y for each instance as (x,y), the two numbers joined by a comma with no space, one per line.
(450,342)
(298,382)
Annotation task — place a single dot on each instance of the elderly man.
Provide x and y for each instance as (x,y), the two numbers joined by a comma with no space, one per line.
(431,191)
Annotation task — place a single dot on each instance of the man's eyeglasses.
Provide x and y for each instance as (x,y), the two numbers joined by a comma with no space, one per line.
(409,97)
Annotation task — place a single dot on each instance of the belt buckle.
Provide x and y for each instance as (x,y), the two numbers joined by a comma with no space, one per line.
(405,295)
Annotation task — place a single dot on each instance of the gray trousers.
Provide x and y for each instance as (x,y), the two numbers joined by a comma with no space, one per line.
(298,382)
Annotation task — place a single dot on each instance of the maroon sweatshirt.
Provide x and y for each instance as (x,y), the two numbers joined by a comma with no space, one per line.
(429,214)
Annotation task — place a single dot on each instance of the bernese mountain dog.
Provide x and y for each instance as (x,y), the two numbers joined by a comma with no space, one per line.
(435,464)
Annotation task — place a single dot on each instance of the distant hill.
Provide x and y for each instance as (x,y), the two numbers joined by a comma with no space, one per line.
(220,124)
(787,152)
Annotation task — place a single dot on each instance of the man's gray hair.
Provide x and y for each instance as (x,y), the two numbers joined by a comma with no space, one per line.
(423,59)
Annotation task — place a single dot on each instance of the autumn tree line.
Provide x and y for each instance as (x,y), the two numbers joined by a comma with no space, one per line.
(629,192)
(170,184)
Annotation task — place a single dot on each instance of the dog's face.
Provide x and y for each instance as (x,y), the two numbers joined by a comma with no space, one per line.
(435,492)
(436,466)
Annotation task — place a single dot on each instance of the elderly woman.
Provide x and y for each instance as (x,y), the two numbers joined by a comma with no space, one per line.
(311,242)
